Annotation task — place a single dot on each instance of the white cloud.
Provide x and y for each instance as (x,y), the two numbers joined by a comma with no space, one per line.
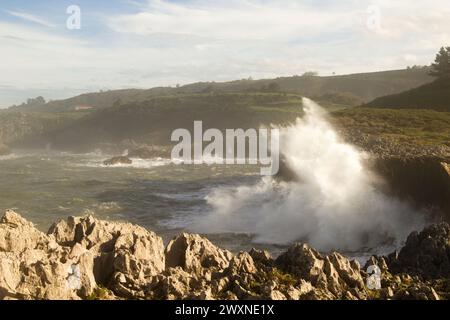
(283,20)
(165,43)
(30,17)
(289,36)
(231,21)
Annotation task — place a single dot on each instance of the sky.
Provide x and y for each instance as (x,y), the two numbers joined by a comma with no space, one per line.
(148,43)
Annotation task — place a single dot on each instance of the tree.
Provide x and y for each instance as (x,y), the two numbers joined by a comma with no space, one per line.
(441,66)
(35,101)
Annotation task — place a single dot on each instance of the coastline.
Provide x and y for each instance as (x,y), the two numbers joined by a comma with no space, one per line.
(87,258)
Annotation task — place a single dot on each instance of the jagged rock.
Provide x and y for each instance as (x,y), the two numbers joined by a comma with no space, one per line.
(277,295)
(138,255)
(79,254)
(349,271)
(34,266)
(422,180)
(242,263)
(304,287)
(121,250)
(9,274)
(63,231)
(333,273)
(176,283)
(34,275)
(117,160)
(387,293)
(75,256)
(241,292)
(318,294)
(240,273)
(293,294)
(220,285)
(417,292)
(261,257)
(426,253)
(195,254)
(85,267)
(17,234)
(302,261)
(331,280)
(380,262)
(349,296)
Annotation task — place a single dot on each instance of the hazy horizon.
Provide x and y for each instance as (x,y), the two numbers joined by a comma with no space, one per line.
(49,95)
(142,44)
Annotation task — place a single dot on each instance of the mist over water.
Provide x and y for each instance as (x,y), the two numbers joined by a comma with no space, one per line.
(330,201)
(332,204)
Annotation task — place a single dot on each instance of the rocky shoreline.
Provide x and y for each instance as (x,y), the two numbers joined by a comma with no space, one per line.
(87,258)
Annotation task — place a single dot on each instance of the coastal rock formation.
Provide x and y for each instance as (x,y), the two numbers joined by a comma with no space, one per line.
(424,181)
(195,254)
(420,270)
(75,258)
(426,254)
(117,160)
(126,256)
(34,266)
(419,174)
(87,258)
(334,274)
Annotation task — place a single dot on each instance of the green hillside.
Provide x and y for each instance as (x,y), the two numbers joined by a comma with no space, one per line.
(435,95)
(361,87)
(152,121)
(414,127)
(149,116)
(353,89)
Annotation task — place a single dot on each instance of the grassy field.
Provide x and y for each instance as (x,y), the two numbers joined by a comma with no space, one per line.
(352,89)
(433,96)
(153,120)
(413,126)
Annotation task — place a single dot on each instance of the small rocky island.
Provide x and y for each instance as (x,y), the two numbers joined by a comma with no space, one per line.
(87,258)
(117,160)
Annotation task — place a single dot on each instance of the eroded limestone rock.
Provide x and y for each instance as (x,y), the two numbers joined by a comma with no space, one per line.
(195,254)
(87,258)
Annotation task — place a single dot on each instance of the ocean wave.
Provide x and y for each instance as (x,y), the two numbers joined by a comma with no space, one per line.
(11,156)
(332,204)
(108,206)
(136,163)
(185,196)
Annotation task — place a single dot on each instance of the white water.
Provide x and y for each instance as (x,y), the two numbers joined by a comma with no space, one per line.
(97,162)
(334,204)
(11,156)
